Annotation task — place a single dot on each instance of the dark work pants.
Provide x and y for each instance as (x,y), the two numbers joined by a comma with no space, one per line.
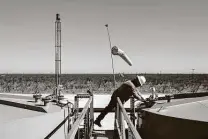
(110,107)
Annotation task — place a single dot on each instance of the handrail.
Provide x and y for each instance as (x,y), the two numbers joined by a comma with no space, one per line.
(127,119)
(97,110)
(75,126)
(57,128)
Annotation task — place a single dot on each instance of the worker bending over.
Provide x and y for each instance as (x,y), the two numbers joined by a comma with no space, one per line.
(124,92)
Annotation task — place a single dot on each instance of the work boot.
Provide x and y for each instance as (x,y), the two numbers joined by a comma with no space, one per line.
(97,122)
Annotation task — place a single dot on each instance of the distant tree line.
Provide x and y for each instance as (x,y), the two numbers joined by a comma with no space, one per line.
(101,83)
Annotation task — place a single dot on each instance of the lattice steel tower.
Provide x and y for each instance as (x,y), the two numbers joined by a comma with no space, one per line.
(57,53)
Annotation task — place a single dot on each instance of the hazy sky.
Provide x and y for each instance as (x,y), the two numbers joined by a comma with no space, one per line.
(158,35)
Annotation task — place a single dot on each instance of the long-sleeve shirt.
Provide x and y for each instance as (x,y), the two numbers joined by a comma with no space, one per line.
(125,91)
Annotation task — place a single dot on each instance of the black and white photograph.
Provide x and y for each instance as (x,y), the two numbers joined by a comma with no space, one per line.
(103,69)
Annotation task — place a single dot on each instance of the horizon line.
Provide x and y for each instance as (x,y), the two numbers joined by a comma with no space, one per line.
(108,73)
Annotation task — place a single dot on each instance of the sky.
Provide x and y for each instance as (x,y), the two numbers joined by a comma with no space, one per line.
(167,36)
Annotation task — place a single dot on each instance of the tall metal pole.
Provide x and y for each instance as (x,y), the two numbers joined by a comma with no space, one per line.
(114,78)
(57,53)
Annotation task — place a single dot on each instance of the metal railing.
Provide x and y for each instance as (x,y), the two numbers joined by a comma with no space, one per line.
(87,115)
(67,117)
(120,116)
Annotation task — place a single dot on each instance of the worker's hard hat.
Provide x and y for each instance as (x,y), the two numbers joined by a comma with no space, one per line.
(141,80)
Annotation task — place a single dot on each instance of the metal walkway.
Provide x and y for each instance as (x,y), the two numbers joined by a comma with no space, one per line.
(75,120)
(80,122)
(82,126)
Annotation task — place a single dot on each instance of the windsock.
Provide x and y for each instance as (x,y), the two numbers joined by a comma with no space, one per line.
(116,51)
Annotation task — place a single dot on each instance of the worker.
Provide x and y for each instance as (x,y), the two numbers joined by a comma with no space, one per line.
(124,92)
(154,95)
